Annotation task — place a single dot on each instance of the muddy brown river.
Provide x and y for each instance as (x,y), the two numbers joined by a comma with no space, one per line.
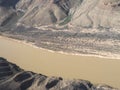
(94,69)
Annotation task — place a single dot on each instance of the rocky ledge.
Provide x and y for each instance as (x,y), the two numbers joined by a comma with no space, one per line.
(13,77)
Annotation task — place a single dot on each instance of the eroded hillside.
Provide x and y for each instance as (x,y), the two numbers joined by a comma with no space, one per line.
(72,26)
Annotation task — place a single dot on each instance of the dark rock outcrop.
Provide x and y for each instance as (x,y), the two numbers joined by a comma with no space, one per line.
(8,3)
(13,77)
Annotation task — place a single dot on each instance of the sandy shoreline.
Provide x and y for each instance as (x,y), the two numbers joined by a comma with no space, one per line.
(61,52)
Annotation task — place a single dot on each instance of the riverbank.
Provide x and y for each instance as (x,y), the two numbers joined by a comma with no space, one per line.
(55,64)
(92,42)
(110,55)
(14,78)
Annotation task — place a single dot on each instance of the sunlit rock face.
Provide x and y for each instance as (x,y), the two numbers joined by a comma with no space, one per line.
(74,13)
(79,13)
(24,5)
(13,77)
(97,14)
(47,12)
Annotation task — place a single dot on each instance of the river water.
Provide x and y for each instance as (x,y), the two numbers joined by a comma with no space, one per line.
(94,69)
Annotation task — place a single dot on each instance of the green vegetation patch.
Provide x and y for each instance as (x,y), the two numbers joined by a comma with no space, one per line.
(66,20)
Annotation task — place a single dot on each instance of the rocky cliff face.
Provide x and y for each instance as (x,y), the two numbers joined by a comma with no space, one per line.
(46,12)
(80,13)
(13,77)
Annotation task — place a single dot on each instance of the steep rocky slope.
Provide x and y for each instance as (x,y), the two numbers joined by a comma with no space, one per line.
(13,77)
(72,26)
(79,13)
(48,12)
